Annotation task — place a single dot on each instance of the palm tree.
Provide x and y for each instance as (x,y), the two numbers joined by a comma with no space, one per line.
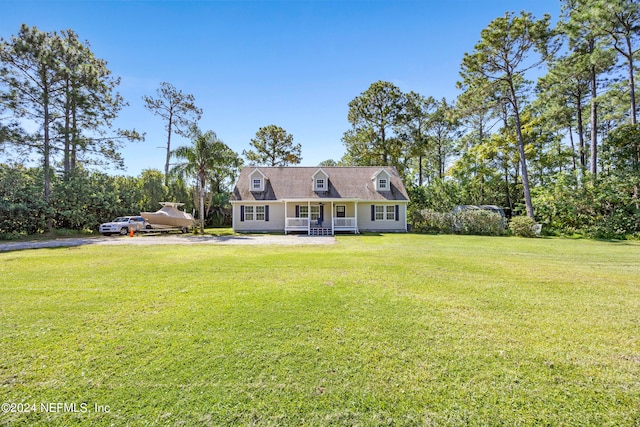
(205,161)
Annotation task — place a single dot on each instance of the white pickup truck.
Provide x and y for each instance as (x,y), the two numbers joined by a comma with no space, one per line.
(122,225)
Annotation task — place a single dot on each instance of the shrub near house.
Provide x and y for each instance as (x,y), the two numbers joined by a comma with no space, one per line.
(479,221)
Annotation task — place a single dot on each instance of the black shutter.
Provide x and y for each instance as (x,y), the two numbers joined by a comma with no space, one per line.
(242,213)
(373,212)
(321,213)
(297,211)
(266,213)
(397,212)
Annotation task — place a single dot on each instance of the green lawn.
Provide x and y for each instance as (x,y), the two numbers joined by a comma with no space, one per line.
(375,330)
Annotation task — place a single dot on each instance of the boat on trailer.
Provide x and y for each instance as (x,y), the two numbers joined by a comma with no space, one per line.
(169,217)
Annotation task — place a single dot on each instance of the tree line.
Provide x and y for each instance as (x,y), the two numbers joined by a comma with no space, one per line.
(52,82)
(560,146)
(545,125)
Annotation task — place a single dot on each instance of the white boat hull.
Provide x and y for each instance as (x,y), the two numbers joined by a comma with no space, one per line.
(168,217)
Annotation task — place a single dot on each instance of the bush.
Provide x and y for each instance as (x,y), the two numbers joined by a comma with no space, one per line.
(522,226)
(622,223)
(480,222)
(429,221)
(23,209)
(605,209)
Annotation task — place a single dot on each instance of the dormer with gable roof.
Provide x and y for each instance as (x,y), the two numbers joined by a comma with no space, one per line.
(257,181)
(320,180)
(382,180)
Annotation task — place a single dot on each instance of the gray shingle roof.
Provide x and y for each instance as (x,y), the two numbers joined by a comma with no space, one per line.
(296,182)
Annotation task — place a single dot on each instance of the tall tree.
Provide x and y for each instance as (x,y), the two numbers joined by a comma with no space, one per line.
(476,111)
(30,69)
(373,116)
(562,96)
(414,128)
(273,147)
(620,19)
(55,81)
(178,110)
(88,106)
(587,38)
(502,58)
(443,130)
(622,153)
(207,160)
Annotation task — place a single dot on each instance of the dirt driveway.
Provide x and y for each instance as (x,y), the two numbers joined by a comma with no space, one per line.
(172,239)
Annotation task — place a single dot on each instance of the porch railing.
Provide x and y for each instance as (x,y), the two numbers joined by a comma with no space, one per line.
(344,223)
(296,224)
(302,224)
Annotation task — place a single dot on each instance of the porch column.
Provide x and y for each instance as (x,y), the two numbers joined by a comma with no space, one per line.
(285,217)
(406,226)
(333,219)
(308,216)
(356,208)
(233,217)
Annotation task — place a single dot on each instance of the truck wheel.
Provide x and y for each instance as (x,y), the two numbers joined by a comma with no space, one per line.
(124,231)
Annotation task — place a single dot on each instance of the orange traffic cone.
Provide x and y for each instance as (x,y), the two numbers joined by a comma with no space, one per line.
(131,232)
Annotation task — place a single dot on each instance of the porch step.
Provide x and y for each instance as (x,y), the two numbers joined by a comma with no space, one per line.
(320,231)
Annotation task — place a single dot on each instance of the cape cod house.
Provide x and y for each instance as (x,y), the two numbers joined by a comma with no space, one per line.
(319,200)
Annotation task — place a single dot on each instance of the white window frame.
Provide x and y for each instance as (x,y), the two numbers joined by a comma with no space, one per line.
(256,184)
(304,210)
(315,212)
(383,184)
(390,213)
(248,213)
(260,213)
(321,184)
(385,212)
(255,213)
(379,213)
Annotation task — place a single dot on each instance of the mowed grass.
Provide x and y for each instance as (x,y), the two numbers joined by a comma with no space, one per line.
(375,330)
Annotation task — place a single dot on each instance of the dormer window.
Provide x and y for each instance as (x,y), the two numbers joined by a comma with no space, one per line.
(320,181)
(256,181)
(382,180)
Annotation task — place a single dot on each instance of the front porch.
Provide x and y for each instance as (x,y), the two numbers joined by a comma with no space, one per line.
(310,217)
(324,228)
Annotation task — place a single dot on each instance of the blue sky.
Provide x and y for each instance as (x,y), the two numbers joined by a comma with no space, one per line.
(295,64)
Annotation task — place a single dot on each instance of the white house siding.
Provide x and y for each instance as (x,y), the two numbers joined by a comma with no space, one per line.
(365,223)
(356,188)
(329,213)
(350,211)
(275,223)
